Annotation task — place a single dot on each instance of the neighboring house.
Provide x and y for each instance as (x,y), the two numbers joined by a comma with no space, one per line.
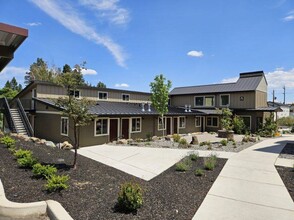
(129,114)
(284,107)
(292,110)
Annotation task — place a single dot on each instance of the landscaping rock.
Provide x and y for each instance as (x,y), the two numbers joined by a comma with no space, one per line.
(49,144)
(66,146)
(122,141)
(252,139)
(155,138)
(168,138)
(58,145)
(35,140)
(194,140)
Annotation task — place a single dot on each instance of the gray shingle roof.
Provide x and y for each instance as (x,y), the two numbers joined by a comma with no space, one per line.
(246,82)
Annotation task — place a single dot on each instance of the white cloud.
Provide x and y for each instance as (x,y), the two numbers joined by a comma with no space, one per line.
(32,24)
(230,80)
(194,53)
(108,9)
(122,85)
(289,17)
(66,15)
(279,78)
(89,72)
(13,70)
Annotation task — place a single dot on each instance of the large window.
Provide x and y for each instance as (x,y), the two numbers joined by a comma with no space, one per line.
(125,97)
(102,95)
(212,121)
(224,100)
(101,126)
(64,125)
(247,121)
(161,123)
(197,121)
(182,122)
(75,93)
(136,125)
(204,101)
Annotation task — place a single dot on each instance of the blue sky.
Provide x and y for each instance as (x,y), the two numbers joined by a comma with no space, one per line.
(126,43)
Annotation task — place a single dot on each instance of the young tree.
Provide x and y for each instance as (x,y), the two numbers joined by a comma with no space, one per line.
(77,110)
(101,85)
(159,97)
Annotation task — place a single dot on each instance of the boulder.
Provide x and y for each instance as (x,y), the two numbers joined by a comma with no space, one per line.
(122,141)
(167,138)
(66,146)
(34,139)
(155,138)
(49,144)
(58,145)
(252,139)
(42,141)
(194,140)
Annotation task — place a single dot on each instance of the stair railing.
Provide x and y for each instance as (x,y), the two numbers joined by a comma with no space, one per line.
(24,118)
(8,115)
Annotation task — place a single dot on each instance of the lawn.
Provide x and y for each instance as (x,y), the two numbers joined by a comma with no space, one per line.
(94,186)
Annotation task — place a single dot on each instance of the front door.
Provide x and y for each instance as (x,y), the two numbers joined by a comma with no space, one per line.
(202,121)
(175,125)
(168,125)
(113,129)
(125,128)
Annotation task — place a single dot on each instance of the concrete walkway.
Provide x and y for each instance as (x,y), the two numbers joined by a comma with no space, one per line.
(249,187)
(142,162)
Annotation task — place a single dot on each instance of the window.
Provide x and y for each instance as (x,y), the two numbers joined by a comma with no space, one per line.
(182,122)
(205,101)
(161,123)
(74,93)
(225,100)
(125,97)
(64,126)
(247,121)
(102,95)
(101,127)
(197,121)
(212,121)
(136,125)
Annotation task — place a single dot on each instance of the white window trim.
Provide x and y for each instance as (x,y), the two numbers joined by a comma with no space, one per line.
(103,92)
(212,120)
(64,134)
(199,117)
(132,124)
(247,116)
(164,120)
(125,94)
(98,135)
(220,100)
(80,93)
(204,97)
(180,121)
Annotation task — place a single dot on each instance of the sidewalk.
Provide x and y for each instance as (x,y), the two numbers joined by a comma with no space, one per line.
(249,187)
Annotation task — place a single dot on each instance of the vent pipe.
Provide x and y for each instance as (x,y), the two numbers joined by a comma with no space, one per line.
(186,108)
(143,107)
(189,108)
(149,107)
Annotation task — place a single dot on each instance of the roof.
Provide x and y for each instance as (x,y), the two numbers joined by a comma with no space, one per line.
(277,104)
(246,82)
(266,109)
(11,38)
(105,108)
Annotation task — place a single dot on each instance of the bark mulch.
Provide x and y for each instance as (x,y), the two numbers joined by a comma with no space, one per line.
(287,173)
(94,187)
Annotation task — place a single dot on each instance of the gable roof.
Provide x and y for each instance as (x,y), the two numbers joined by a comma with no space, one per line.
(247,82)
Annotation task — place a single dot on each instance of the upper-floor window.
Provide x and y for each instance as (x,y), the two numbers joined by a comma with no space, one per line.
(204,101)
(102,95)
(101,126)
(64,125)
(224,100)
(182,122)
(75,93)
(125,97)
(136,125)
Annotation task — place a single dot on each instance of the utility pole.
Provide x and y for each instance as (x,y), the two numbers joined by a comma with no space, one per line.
(284,93)
(274,97)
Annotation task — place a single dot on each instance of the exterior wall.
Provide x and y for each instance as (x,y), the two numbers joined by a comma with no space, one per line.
(261,99)
(190,126)
(262,85)
(254,115)
(248,102)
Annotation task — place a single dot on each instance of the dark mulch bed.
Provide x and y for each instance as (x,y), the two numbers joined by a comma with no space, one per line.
(287,173)
(94,187)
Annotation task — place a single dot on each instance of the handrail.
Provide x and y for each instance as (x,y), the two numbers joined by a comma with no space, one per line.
(24,118)
(8,116)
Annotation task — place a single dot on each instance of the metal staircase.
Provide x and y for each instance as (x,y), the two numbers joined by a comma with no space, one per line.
(18,124)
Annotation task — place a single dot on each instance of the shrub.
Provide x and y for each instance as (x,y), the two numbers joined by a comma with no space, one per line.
(27,162)
(176,137)
(286,121)
(149,136)
(199,172)
(8,141)
(226,120)
(183,143)
(184,165)
(130,196)
(246,138)
(239,125)
(57,183)
(194,156)
(42,171)
(22,153)
(224,142)
(269,128)
(210,162)
(205,143)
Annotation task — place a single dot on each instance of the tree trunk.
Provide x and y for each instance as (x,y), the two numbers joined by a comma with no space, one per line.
(164,125)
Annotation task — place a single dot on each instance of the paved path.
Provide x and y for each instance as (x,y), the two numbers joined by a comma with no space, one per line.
(249,187)
(142,162)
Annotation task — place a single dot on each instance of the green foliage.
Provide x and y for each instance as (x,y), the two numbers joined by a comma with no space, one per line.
(246,138)
(269,128)
(8,141)
(194,156)
(66,68)
(224,142)
(43,171)
(130,196)
(286,121)
(27,161)
(210,162)
(239,125)
(184,165)
(226,120)
(183,143)
(149,136)
(199,172)
(56,183)
(176,138)
(208,143)
(101,85)
(22,153)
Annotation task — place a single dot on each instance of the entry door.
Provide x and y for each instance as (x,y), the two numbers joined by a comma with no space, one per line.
(125,128)
(113,129)
(175,125)
(168,125)
(202,121)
